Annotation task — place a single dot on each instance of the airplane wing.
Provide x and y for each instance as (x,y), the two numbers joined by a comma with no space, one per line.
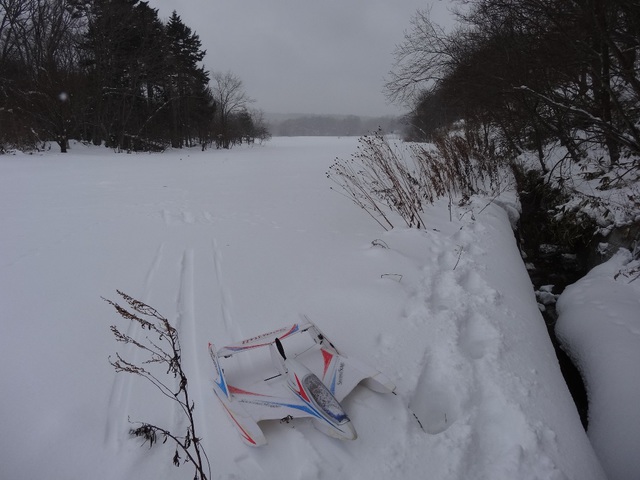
(275,402)
(341,374)
(262,340)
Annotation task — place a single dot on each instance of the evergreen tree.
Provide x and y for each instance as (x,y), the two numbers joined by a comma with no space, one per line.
(187,83)
(125,49)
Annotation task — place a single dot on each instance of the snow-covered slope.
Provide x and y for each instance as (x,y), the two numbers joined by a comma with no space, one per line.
(228,244)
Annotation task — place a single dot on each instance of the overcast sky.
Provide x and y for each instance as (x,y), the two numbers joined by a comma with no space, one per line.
(304,56)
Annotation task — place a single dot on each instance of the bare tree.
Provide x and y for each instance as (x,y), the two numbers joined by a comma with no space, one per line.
(538,70)
(231,98)
(423,59)
(38,67)
(260,127)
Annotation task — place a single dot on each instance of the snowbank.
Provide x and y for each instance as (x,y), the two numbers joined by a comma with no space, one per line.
(229,244)
(599,326)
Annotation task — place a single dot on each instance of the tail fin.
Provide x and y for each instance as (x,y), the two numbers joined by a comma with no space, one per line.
(317,336)
(218,374)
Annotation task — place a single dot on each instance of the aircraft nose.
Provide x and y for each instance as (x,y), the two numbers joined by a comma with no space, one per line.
(349,431)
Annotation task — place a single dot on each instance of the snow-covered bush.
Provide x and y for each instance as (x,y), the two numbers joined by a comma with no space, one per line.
(594,190)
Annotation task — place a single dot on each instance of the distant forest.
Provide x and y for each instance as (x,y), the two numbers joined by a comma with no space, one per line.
(331,125)
(111,72)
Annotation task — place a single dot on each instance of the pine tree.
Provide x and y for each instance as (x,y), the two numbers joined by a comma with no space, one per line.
(125,49)
(191,101)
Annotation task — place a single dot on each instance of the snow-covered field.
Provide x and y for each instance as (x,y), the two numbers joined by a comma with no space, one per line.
(229,244)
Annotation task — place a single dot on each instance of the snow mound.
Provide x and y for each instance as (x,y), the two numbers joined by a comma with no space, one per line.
(599,326)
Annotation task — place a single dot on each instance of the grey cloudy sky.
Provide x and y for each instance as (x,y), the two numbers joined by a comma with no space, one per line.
(304,56)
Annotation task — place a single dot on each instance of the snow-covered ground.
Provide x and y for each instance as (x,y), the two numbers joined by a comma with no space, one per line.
(229,244)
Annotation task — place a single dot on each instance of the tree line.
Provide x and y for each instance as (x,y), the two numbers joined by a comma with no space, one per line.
(332,125)
(531,72)
(111,72)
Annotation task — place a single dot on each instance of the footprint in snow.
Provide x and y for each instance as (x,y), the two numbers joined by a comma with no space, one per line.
(472,282)
(446,292)
(478,337)
(435,407)
(434,402)
(182,217)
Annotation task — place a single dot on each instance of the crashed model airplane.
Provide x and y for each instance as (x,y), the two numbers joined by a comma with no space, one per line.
(310,385)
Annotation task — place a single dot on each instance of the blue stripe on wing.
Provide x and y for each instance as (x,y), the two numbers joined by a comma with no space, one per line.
(332,385)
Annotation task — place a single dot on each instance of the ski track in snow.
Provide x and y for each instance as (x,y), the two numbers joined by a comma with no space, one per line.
(151,273)
(185,325)
(192,345)
(232,329)
(168,258)
(120,395)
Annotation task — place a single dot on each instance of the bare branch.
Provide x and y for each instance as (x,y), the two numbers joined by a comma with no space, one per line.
(164,351)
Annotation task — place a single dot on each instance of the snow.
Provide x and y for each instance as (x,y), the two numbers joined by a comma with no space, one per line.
(599,316)
(605,194)
(599,323)
(231,244)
